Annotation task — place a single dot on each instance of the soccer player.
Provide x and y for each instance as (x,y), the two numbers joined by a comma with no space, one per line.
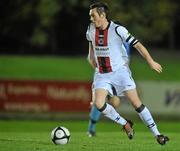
(113,100)
(109,58)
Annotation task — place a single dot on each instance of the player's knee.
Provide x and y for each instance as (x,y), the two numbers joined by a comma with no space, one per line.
(98,104)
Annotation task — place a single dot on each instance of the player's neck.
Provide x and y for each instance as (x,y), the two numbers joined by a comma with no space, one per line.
(104,25)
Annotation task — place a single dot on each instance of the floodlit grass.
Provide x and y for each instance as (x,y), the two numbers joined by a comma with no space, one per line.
(35,136)
(45,68)
(76,68)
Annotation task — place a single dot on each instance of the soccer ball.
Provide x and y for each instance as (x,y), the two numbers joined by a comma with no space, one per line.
(60,135)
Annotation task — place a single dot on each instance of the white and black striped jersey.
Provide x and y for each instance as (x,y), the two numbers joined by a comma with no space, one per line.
(109,51)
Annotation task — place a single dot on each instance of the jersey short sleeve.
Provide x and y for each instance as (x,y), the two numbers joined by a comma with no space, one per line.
(126,36)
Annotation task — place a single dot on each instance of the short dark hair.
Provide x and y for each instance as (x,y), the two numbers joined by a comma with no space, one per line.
(101,8)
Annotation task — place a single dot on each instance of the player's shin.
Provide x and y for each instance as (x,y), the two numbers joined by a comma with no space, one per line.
(147,118)
(112,114)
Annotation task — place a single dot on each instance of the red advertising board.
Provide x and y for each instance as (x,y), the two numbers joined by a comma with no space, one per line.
(44,96)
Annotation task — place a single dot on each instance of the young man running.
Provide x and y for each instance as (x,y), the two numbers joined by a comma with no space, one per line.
(109,57)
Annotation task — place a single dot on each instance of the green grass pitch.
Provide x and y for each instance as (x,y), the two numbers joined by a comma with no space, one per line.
(77,68)
(35,136)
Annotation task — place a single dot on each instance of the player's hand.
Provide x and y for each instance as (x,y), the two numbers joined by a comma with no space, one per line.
(155,66)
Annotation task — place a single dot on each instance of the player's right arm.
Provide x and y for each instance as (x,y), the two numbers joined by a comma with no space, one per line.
(91,58)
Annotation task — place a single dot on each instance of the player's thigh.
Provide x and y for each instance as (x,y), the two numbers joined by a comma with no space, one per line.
(133,97)
(100,97)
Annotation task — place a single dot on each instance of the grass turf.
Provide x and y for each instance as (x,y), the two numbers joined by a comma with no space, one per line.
(44,68)
(35,136)
(77,68)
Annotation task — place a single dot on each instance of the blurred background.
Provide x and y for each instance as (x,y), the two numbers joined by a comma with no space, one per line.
(58,27)
(43,48)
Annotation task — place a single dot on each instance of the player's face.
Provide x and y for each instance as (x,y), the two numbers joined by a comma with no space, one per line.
(96,18)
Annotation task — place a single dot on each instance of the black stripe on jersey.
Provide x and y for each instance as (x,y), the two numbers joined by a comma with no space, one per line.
(103,63)
(128,38)
(101,38)
(118,33)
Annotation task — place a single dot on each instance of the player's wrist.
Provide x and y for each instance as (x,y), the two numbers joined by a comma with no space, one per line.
(150,61)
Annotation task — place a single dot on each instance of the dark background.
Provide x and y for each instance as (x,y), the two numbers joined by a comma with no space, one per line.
(58,27)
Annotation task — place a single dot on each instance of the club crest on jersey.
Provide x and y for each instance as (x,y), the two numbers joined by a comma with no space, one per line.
(101,37)
(101,41)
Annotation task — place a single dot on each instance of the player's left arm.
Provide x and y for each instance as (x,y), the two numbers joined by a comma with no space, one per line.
(132,41)
(144,52)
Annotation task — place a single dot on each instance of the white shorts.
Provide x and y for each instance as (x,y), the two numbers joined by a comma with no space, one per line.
(116,82)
